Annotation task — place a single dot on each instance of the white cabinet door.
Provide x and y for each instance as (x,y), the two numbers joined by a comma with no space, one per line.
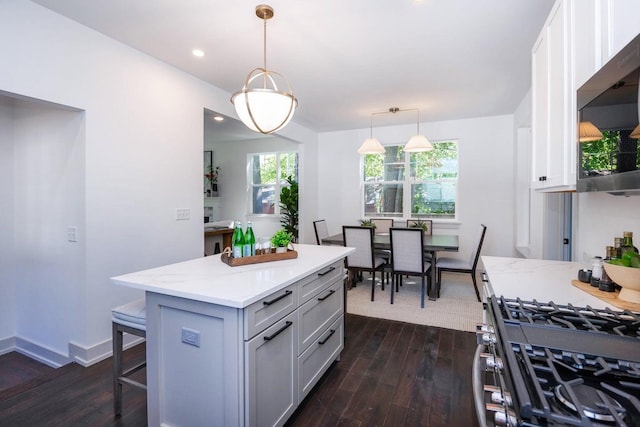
(540,97)
(553,103)
(620,24)
(585,42)
(271,373)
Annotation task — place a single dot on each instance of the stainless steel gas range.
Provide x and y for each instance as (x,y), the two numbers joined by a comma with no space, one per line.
(543,364)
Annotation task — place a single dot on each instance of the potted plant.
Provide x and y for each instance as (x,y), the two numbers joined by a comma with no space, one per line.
(367,223)
(419,223)
(280,240)
(289,208)
(212,176)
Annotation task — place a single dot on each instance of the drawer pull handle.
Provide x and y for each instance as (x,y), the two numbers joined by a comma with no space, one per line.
(286,294)
(278,332)
(331,292)
(332,331)
(326,272)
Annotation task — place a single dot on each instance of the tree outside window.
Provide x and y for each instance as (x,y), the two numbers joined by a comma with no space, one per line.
(268,174)
(616,152)
(417,185)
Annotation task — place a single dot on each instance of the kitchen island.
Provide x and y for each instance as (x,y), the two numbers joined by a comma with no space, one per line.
(542,280)
(236,346)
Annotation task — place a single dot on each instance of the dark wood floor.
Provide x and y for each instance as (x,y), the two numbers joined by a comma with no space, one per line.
(390,374)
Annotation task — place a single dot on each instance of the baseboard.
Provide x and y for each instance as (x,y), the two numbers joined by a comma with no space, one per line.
(87,356)
(84,356)
(41,354)
(7,345)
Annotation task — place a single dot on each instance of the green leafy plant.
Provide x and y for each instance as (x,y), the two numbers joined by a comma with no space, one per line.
(367,223)
(419,223)
(281,238)
(289,208)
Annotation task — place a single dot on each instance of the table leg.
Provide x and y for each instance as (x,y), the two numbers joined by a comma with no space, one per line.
(433,290)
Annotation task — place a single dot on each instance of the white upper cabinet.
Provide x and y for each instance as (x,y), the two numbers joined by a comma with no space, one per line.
(578,37)
(553,101)
(620,20)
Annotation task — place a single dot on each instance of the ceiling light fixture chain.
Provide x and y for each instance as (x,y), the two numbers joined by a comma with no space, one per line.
(265,109)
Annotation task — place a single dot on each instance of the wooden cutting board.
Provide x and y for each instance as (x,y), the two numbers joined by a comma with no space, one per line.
(608,297)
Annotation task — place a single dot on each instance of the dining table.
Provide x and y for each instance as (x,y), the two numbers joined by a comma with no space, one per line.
(433,243)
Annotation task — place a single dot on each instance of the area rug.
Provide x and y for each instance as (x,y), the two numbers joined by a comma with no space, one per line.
(457,308)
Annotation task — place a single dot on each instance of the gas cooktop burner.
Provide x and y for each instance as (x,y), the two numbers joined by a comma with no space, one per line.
(593,403)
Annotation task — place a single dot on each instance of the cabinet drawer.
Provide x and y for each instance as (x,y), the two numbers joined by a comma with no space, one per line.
(315,361)
(271,374)
(311,285)
(262,314)
(318,313)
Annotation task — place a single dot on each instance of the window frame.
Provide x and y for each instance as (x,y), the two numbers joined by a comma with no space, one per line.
(277,186)
(407,182)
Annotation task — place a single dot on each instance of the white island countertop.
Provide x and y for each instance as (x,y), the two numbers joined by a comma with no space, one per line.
(210,280)
(542,280)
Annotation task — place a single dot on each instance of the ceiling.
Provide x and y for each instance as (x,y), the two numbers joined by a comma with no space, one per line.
(345,59)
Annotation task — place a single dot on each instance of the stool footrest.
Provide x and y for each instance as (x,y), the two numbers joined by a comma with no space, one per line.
(132,382)
(133,369)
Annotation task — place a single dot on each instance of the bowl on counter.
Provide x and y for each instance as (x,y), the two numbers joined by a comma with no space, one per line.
(628,278)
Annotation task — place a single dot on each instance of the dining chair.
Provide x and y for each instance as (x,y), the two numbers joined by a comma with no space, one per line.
(457,265)
(320,227)
(407,258)
(382,225)
(364,258)
(426,225)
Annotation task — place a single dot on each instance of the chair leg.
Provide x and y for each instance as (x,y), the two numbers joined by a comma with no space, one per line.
(475,285)
(422,295)
(438,281)
(117,370)
(393,285)
(373,284)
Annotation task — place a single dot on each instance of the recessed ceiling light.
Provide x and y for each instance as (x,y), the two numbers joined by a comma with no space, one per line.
(218,118)
(197,53)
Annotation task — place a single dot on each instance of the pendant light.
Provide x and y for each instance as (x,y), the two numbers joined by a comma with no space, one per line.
(417,143)
(371,145)
(635,133)
(261,104)
(589,132)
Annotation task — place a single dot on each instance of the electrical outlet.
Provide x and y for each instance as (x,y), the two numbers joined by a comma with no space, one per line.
(72,234)
(191,337)
(182,214)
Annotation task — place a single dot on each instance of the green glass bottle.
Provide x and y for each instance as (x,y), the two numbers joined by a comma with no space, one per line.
(627,242)
(237,240)
(249,241)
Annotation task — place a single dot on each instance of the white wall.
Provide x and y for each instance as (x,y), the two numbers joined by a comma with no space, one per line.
(485,183)
(143,140)
(7,288)
(601,218)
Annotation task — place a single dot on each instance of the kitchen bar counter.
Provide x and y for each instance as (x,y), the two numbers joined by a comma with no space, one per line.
(240,346)
(542,280)
(210,280)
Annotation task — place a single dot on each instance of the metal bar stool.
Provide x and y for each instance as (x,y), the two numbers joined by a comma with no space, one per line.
(132,319)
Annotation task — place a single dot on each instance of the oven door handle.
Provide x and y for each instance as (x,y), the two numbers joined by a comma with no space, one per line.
(478,387)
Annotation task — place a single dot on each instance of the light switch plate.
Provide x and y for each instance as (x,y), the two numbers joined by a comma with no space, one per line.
(182,214)
(72,234)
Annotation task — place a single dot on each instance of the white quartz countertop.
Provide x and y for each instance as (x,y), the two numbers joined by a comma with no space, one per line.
(542,280)
(210,280)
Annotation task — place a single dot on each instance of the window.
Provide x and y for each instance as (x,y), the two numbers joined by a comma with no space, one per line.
(416,185)
(268,173)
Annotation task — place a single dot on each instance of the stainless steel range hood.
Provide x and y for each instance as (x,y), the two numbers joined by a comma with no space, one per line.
(610,101)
